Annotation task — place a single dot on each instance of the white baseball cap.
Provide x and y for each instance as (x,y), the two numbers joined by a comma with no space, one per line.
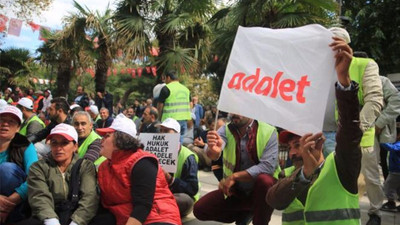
(73,106)
(65,130)
(94,109)
(3,104)
(171,124)
(341,33)
(26,102)
(9,109)
(120,123)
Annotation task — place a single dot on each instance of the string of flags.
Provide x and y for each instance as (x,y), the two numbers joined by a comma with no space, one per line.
(15,25)
(134,72)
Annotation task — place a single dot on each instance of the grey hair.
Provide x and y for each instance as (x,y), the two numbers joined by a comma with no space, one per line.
(82,113)
(126,142)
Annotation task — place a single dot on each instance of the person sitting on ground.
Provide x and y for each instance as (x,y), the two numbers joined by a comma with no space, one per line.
(149,117)
(17,154)
(89,142)
(318,190)
(106,120)
(32,124)
(131,114)
(250,154)
(58,113)
(49,183)
(184,184)
(132,184)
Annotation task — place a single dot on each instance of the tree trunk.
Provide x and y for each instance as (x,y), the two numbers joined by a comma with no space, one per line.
(126,95)
(102,65)
(63,76)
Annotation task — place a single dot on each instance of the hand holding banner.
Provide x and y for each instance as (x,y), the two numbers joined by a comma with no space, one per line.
(280,76)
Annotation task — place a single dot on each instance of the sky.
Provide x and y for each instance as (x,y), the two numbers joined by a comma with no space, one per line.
(51,18)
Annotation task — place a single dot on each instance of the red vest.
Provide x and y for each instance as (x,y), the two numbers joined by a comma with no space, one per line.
(36,103)
(114,181)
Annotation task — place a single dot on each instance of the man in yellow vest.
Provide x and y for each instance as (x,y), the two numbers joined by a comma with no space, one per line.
(249,151)
(174,102)
(318,190)
(184,184)
(365,72)
(89,142)
(32,124)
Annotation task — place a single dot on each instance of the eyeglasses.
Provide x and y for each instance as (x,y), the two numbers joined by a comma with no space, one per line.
(10,122)
(56,144)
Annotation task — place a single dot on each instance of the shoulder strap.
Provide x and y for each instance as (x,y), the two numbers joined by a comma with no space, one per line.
(73,194)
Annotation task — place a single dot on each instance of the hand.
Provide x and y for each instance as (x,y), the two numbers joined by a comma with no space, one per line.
(343,57)
(311,152)
(214,141)
(199,142)
(6,205)
(168,176)
(225,185)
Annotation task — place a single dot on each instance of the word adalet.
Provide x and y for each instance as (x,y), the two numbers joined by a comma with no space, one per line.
(273,85)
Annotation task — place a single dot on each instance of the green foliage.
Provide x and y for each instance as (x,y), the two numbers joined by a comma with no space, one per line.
(374,29)
(202,87)
(25,9)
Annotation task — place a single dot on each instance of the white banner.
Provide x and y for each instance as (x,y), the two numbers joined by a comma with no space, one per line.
(280,76)
(164,146)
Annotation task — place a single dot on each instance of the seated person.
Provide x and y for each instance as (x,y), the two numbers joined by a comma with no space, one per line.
(318,190)
(16,156)
(184,184)
(132,184)
(49,183)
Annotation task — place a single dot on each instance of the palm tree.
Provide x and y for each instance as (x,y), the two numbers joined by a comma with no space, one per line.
(16,67)
(178,26)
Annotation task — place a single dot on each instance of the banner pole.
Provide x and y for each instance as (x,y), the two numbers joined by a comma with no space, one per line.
(216,120)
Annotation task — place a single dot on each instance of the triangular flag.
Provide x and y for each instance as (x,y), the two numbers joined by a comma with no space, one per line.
(140,70)
(133,73)
(148,69)
(14,28)
(34,26)
(3,22)
(154,70)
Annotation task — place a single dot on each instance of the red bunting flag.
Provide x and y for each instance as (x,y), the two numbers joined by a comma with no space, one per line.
(114,72)
(41,33)
(140,71)
(148,69)
(154,70)
(123,71)
(129,70)
(133,73)
(108,72)
(3,22)
(14,28)
(34,26)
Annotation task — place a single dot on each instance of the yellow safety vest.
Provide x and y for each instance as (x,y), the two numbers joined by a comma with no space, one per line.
(264,133)
(184,153)
(23,130)
(177,105)
(327,203)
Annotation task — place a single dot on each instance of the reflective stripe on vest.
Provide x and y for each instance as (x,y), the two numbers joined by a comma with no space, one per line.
(177,105)
(88,141)
(264,133)
(23,130)
(184,153)
(328,202)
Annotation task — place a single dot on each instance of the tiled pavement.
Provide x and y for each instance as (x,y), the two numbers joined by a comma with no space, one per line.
(209,183)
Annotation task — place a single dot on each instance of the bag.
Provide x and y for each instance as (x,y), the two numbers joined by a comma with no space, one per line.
(66,208)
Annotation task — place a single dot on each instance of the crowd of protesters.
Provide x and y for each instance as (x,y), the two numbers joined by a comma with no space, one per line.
(49,147)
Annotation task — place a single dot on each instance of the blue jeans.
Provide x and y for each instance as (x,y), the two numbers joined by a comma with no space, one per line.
(12,176)
(183,124)
(330,143)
